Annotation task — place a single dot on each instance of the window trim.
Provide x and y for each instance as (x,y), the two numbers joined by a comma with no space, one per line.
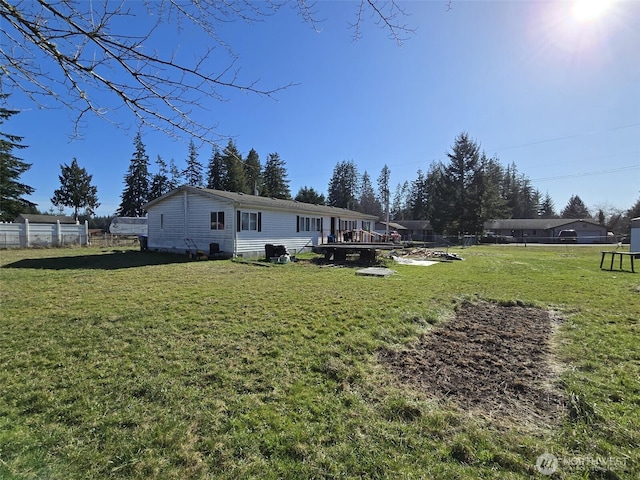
(219,215)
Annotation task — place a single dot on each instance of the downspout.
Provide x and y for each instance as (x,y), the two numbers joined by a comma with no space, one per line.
(236,209)
(186,210)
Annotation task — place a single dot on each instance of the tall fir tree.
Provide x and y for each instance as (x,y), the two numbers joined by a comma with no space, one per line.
(310,195)
(274,176)
(193,173)
(175,175)
(11,168)
(216,170)
(575,208)
(493,204)
(368,202)
(418,197)
(399,209)
(253,172)
(438,201)
(463,186)
(160,180)
(343,186)
(76,190)
(384,190)
(235,179)
(136,191)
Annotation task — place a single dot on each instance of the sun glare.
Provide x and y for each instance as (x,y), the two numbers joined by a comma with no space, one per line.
(588,10)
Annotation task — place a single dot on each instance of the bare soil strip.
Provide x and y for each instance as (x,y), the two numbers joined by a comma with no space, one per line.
(491,358)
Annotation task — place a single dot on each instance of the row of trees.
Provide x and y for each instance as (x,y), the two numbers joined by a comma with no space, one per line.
(226,170)
(456,195)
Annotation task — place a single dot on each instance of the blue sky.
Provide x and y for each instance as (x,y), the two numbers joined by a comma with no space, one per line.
(531,82)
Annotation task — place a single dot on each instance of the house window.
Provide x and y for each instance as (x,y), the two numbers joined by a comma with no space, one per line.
(161,221)
(309,224)
(366,226)
(249,221)
(348,224)
(217,220)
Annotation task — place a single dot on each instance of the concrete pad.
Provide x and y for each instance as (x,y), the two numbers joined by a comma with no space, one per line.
(375,272)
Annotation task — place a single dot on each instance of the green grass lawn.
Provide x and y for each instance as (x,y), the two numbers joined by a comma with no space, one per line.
(123,364)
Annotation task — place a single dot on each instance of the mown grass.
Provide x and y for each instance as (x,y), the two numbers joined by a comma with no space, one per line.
(125,364)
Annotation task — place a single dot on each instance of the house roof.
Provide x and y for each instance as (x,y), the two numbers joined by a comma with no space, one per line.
(33,218)
(415,225)
(245,200)
(392,225)
(533,223)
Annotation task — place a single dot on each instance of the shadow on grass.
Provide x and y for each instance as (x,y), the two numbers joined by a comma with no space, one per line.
(114,260)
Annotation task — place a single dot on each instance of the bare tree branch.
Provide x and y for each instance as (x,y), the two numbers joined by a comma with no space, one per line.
(70,53)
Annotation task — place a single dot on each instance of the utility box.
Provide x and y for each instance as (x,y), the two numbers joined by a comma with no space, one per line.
(635,235)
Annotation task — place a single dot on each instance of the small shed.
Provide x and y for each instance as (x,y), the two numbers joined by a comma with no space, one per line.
(635,235)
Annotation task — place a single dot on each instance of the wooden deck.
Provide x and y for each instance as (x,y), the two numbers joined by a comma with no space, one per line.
(366,251)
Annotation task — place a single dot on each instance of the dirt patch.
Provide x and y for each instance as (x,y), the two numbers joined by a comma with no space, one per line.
(491,358)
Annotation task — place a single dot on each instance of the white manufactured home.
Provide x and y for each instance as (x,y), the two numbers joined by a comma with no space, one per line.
(242,224)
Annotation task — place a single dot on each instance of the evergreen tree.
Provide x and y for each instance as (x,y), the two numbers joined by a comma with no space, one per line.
(384,193)
(234,179)
(136,191)
(438,201)
(253,172)
(76,190)
(216,170)
(11,168)
(493,204)
(274,177)
(175,177)
(160,180)
(368,202)
(575,208)
(547,207)
(193,173)
(463,187)
(418,198)
(309,195)
(400,209)
(343,186)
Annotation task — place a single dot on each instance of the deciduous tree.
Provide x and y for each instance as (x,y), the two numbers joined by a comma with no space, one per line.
(92,58)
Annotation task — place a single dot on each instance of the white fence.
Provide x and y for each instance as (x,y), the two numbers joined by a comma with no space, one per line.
(25,235)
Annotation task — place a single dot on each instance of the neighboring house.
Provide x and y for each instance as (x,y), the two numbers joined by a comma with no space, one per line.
(381,229)
(538,230)
(242,224)
(31,218)
(416,230)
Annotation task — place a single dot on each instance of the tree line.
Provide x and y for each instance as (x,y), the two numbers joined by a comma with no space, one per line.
(456,195)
